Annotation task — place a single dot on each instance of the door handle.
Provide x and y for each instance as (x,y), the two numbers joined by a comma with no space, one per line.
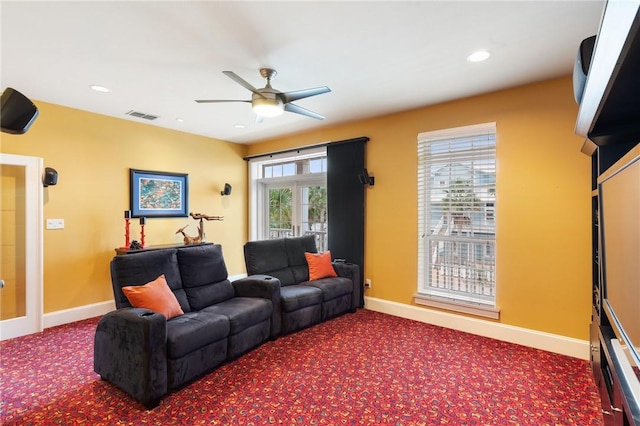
(1,283)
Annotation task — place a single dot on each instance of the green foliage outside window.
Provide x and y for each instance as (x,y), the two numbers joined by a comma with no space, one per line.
(317,204)
(460,198)
(280,207)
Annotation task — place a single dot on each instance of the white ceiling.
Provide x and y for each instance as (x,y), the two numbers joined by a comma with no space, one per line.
(157,57)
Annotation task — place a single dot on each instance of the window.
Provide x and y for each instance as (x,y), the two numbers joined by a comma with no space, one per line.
(456,219)
(289,196)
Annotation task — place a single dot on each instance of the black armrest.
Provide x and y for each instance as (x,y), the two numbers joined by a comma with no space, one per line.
(352,271)
(265,287)
(130,351)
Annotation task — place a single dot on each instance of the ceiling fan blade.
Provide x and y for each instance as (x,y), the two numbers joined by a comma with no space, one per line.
(299,110)
(300,94)
(212,101)
(235,77)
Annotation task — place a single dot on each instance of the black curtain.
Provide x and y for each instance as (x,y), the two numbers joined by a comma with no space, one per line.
(345,200)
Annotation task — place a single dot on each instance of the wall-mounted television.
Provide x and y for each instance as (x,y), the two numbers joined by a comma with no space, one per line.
(619,227)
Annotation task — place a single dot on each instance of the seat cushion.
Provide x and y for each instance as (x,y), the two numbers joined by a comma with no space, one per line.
(262,257)
(331,287)
(204,275)
(243,312)
(194,330)
(296,248)
(285,276)
(296,297)
(143,267)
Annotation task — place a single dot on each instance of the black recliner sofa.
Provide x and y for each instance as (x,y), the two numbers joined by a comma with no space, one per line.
(146,355)
(302,302)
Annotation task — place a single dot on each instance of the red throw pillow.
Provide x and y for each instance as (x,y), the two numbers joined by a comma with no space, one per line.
(155,295)
(320,265)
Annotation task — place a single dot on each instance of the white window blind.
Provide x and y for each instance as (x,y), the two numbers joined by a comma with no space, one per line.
(456,214)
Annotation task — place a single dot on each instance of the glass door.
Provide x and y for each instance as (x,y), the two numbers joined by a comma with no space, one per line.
(21,245)
(296,209)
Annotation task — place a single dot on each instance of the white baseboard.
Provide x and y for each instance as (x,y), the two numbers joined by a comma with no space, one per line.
(508,333)
(522,336)
(80,313)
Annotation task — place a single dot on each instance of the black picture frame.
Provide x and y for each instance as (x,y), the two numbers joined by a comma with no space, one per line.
(158,194)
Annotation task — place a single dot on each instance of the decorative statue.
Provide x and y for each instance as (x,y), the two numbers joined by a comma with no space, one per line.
(200,238)
(187,239)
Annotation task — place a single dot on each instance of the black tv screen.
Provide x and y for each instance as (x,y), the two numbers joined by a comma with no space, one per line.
(619,197)
(17,112)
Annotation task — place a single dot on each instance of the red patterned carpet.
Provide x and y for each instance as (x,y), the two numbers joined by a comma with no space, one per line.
(363,368)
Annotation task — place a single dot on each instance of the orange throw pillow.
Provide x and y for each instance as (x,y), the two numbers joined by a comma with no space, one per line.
(320,265)
(156,296)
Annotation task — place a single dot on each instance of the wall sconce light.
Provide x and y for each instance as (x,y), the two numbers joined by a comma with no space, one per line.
(227,190)
(50,177)
(365,179)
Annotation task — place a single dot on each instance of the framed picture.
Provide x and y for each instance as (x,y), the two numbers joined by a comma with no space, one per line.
(159,194)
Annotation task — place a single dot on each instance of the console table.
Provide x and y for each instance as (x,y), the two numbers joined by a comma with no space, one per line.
(123,250)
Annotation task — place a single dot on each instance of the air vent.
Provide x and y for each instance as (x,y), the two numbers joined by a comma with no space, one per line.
(142,115)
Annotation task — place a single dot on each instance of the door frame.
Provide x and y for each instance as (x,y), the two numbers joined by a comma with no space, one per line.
(32,322)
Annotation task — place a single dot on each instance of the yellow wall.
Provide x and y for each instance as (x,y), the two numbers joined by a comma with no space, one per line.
(543,196)
(92,154)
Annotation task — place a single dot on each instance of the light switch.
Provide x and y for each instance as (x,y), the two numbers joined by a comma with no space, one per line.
(55,223)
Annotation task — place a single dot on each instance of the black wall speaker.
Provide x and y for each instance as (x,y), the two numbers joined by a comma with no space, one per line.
(581,66)
(50,177)
(17,112)
(227,190)
(365,178)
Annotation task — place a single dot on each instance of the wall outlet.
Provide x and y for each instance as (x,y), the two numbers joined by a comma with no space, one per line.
(367,283)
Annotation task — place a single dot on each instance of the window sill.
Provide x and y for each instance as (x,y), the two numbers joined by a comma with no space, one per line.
(462,307)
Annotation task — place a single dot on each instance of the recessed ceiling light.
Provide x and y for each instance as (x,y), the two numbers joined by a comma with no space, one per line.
(179,120)
(479,56)
(239,126)
(100,89)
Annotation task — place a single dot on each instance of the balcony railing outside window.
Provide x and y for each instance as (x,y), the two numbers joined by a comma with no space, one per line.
(321,236)
(463,268)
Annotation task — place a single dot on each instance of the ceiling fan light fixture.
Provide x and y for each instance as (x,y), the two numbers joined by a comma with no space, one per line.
(270,102)
(265,107)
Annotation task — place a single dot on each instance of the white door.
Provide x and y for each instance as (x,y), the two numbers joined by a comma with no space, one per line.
(21,275)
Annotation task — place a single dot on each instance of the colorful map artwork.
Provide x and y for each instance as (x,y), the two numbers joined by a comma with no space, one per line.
(160,194)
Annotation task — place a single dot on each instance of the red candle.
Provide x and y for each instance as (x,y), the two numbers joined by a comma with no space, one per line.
(127,220)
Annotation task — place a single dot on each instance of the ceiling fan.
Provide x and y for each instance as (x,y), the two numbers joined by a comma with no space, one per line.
(270,102)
